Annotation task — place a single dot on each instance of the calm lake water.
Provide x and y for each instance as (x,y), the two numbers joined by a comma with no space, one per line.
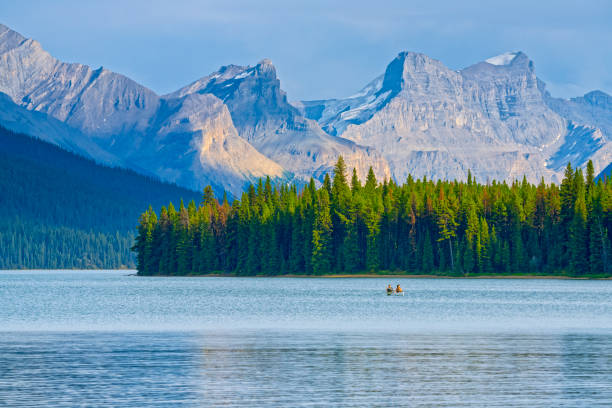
(103,338)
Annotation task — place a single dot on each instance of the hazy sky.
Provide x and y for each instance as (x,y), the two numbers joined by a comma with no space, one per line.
(321,49)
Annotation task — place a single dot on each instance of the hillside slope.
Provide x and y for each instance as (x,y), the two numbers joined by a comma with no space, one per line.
(60,210)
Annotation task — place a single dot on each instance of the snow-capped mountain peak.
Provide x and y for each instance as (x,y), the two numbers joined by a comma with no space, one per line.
(502,59)
(222,82)
(408,72)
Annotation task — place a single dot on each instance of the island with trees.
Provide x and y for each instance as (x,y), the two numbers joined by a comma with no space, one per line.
(348,227)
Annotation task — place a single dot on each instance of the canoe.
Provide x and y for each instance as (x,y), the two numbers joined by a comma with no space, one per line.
(394,293)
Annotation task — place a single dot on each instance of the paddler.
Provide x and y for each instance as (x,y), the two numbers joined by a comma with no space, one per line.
(389,289)
(398,289)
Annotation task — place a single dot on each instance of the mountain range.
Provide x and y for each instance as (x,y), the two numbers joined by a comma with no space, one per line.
(236,125)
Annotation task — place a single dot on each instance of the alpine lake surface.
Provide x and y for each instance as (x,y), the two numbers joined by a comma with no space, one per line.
(108,338)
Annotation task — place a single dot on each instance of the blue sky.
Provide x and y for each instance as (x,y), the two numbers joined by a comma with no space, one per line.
(321,49)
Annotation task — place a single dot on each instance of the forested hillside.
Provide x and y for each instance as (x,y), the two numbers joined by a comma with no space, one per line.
(422,226)
(60,210)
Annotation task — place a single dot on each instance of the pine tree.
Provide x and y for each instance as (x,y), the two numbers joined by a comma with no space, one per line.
(471,253)
(590,179)
(350,245)
(340,202)
(355,183)
(446,225)
(208,197)
(578,238)
(322,236)
(486,249)
(428,258)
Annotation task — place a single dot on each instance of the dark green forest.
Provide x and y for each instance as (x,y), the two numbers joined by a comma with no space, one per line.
(420,227)
(60,210)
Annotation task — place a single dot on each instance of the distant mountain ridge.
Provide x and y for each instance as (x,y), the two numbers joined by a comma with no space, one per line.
(494,117)
(236,125)
(263,116)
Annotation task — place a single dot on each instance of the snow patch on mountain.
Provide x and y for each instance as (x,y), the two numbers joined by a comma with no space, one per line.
(580,144)
(502,59)
(335,115)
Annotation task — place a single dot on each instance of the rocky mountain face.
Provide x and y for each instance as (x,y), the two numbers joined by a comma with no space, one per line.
(263,116)
(97,102)
(494,118)
(193,142)
(226,129)
(589,119)
(593,107)
(37,124)
(236,125)
(101,114)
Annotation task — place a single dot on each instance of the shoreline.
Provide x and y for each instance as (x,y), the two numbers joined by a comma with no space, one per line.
(384,276)
(133,272)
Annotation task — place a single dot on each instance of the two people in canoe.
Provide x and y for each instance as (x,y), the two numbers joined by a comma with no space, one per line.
(390,290)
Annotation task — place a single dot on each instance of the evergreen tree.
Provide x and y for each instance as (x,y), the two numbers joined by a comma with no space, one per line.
(590,178)
(484,265)
(340,202)
(428,258)
(184,243)
(322,236)
(208,197)
(355,183)
(578,238)
(446,225)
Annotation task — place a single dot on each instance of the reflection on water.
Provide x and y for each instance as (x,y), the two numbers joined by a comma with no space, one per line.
(305,369)
(97,370)
(106,339)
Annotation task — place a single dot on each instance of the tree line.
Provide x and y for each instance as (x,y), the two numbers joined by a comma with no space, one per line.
(421,227)
(27,244)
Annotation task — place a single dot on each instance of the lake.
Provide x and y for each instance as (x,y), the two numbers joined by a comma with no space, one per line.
(104,338)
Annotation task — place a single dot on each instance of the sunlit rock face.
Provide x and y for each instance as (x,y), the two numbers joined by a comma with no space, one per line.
(262,115)
(494,118)
(195,143)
